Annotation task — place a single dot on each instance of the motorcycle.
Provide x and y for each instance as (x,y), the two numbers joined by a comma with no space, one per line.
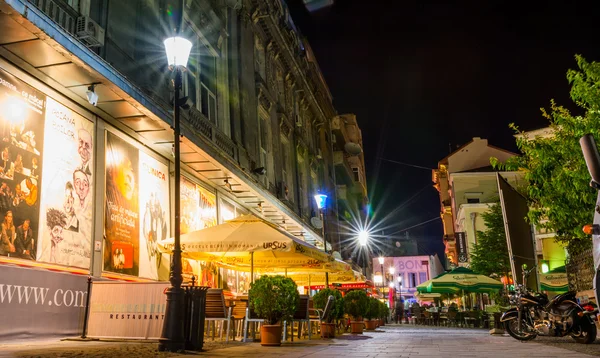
(535,315)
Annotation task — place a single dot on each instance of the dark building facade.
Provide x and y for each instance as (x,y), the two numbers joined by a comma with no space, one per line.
(92,178)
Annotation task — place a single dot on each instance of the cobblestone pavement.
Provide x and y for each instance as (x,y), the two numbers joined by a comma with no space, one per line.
(388,341)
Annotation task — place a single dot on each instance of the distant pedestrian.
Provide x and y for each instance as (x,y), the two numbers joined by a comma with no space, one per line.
(399,310)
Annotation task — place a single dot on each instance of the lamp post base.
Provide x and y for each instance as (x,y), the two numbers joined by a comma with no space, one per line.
(172,338)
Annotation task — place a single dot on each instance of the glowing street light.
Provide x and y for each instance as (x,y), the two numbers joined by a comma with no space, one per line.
(381,261)
(321,200)
(363,238)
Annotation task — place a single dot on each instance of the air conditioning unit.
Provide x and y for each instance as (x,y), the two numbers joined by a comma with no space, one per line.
(89,32)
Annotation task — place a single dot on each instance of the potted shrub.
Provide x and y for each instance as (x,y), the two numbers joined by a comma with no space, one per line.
(384,312)
(355,305)
(371,313)
(320,300)
(273,298)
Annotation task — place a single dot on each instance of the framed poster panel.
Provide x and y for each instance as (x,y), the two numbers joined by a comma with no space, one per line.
(136,209)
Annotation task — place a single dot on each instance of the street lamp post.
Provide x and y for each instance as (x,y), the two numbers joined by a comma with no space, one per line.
(172,339)
(321,200)
(392,285)
(381,261)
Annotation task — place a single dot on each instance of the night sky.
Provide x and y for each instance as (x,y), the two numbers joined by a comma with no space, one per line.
(423,77)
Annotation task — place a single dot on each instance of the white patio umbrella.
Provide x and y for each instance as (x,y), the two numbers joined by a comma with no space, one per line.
(247,242)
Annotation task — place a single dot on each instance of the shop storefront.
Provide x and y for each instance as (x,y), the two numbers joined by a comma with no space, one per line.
(49,205)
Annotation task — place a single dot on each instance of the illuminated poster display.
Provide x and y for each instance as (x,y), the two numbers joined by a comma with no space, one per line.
(122,219)
(68,184)
(198,211)
(22,110)
(198,207)
(137,210)
(154,213)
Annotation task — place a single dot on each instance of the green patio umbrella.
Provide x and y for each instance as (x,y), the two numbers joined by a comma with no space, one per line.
(460,279)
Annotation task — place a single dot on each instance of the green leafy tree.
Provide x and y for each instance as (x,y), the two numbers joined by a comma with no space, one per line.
(490,253)
(561,199)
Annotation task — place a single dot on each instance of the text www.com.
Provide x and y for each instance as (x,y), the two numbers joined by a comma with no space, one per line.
(39,296)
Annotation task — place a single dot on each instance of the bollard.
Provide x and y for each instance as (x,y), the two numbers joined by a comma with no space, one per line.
(87,307)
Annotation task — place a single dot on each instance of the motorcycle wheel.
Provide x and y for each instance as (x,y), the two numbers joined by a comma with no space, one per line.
(587,334)
(512,328)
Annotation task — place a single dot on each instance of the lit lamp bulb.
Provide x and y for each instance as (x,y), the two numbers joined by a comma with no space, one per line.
(381,260)
(178,51)
(391,284)
(392,270)
(363,237)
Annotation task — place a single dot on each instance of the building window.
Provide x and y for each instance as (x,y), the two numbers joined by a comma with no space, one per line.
(266,157)
(287,170)
(259,57)
(280,86)
(412,280)
(303,184)
(298,115)
(422,277)
(200,81)
(356,172)
(74,4)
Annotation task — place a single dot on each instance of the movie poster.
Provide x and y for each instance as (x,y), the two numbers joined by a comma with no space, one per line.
(198,207)
(198,211)
(154,213)
(68,186)
(122,218)
(22,110)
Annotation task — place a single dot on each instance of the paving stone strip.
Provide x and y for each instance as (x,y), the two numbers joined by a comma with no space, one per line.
(387,341)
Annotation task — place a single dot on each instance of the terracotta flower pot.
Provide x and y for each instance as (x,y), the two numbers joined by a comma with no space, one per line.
(382,321)
(371,324)
(270,335)
(327,330)
(356,327)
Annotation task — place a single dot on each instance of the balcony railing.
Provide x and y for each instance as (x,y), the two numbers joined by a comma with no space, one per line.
(211,132)
(60,12)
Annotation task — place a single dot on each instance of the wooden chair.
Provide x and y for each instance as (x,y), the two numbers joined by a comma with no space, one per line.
(452,318)
(216,310)
(250,317)
(470,318)
(238,316)
(416,314)
(301,316)
(427,317)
